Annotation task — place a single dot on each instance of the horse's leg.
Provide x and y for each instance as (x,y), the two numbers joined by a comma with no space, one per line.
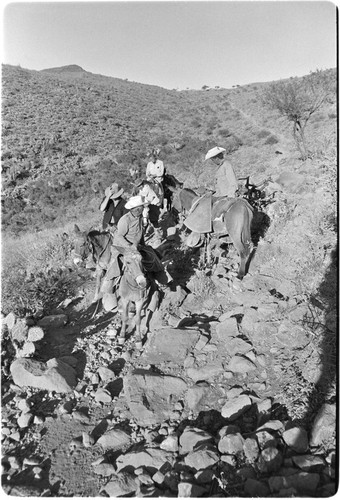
(238,225)
(124,314)
(99,276)
(138,315)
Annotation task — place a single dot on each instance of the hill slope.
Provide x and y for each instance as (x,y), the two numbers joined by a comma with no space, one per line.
(67,133)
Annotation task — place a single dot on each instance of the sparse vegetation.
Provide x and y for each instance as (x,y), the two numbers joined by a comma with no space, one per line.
(298,99)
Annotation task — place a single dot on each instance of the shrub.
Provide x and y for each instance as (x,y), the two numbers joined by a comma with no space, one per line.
(37,274)
(272,140)
(263,133)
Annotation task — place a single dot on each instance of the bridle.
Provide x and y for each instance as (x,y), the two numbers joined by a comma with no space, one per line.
(133,281)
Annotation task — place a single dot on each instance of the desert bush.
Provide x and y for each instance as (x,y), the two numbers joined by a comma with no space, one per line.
(298,99)
(37,273)
(271,140)
(262,134)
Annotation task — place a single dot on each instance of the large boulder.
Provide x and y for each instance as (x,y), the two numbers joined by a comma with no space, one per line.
(151,397)
(169,345)
(55,375)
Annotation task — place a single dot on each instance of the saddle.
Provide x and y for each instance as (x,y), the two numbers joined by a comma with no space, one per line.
(206,214)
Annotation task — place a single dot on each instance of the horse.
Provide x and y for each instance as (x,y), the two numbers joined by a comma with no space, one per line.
(170,184)
(183,199)
(135,285)
(98,244)
(235,217)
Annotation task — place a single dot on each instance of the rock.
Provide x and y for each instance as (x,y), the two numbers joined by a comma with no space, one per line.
(263,410)
(54,321)
(265,439)
(121,484)
(103,396)
(169,345)
(106,374)
(229,459)
(228,328)
(236,345)
(25,420)
(27,350)
(206,372)
(201,459)
(303,482)
(10,320)
(251,449)
(323,430)
(52,376)
(151,458)
(249,319)
(114,439)
(234,408)
(19,331)
(291,335)
(188,490)
(24,406)
(88,439)
(158,477)
(151,396)
(194,395)
(228,429)
(254,488)
(309,463)
(104,469)
(192,437)
(297,439)
(81,416)
(35,333)
(270,460)
(231,444)
(272,425)
(240,364)
(170,443)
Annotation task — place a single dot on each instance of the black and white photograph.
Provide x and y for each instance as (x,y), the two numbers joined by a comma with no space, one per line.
(169,249)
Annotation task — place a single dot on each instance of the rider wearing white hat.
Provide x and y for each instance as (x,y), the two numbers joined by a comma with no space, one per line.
(225,178)
(129,232)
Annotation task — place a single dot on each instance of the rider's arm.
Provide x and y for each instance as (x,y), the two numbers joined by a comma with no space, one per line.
(122,231)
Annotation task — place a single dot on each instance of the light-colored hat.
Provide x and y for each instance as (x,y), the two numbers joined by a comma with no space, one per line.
(135,201)
(114,191)
(214,152)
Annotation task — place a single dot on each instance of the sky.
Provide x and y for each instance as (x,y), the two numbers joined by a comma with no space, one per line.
(174,44)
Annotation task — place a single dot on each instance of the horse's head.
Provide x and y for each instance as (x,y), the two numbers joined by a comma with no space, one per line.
(132,262)
(81,246)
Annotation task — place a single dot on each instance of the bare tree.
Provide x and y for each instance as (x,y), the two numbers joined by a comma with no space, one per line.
(299,98)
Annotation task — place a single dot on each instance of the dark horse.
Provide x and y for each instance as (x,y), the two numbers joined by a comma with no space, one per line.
(135,286)
(170,184)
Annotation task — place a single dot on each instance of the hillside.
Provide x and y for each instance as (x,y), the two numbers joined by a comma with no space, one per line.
(67,133)
(234,391)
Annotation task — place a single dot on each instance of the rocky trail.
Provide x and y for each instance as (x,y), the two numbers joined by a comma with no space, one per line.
(221,400)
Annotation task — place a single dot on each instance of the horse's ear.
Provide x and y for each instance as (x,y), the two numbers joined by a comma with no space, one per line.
(76,229)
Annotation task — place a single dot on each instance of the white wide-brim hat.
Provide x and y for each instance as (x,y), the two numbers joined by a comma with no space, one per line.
(214,152)
(135,201)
